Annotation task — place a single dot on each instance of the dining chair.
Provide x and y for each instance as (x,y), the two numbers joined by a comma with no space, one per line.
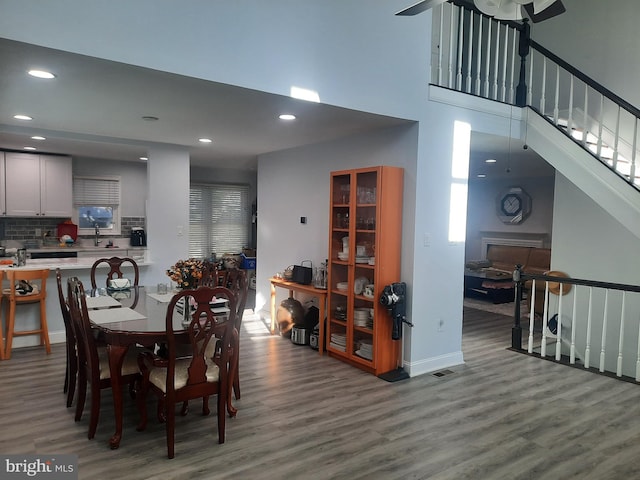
(71,371)
(178,378)
(238,282)
(115,264)
(26,287)
(93,364)
(209,274)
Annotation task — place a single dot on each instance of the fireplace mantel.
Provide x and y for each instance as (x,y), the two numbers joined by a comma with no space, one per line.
(536,240)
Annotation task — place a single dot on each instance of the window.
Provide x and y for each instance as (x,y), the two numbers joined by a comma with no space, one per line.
(96,203)
(219,219)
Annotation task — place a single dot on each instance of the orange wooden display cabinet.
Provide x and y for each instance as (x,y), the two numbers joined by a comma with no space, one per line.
(364,243)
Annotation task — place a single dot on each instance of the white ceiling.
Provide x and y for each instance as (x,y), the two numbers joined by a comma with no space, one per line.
(94,109)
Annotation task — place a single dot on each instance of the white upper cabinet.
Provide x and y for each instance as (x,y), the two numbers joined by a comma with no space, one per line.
(38,185)
(56,186)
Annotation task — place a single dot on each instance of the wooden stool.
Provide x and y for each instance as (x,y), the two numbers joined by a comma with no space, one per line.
(1,327)
(37,279)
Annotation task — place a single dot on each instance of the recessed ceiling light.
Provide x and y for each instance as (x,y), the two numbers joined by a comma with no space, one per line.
(144,158)
(490,160)
(481,175)
(38,137)
(41,74)
(287,116)
(22,117)
(150,118)
(205,140)
(29,148)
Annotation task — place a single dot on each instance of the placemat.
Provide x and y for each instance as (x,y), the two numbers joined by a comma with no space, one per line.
(104,301)
(110,315)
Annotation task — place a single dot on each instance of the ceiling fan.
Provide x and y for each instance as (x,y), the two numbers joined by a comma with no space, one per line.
(536,10)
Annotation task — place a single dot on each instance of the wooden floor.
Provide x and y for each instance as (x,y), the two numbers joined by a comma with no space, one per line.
(501,415)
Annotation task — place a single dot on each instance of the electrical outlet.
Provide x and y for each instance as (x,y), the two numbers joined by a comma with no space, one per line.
(426,240)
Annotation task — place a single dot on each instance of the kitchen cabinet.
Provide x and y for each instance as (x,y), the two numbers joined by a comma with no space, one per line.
(365,229)
(37,185)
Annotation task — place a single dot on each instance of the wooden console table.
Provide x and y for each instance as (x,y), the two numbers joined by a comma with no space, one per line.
(319,293)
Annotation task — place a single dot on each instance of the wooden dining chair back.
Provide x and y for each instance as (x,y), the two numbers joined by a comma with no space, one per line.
(115,265)
(71,371)
(238,282)
(93,364)
(26,286)
(209,274)
(179,378)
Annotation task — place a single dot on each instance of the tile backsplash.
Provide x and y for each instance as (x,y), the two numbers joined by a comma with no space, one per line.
(25,228)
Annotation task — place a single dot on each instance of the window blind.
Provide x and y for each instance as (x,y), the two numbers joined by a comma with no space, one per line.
(219,219)
(96,191)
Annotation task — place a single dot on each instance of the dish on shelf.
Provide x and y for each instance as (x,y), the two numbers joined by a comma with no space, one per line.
(342,286)
(371,261)
(362,259)
(343,256)
(359,285)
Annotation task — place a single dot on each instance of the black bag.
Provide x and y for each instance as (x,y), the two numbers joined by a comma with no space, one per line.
(301,274)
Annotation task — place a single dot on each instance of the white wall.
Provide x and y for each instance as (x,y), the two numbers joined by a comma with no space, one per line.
(599,38)
(483,221)
(133,181)
(295,183)
(590,244)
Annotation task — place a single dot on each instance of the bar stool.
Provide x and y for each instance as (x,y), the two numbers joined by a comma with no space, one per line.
(1,327)
(18,296)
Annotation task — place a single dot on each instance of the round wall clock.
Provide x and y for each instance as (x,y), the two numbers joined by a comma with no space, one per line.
(513,205)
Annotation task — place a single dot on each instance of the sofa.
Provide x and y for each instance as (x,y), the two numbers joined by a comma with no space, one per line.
(490,277)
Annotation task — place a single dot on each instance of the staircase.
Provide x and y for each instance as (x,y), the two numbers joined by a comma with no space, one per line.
(589,135)
(497,60)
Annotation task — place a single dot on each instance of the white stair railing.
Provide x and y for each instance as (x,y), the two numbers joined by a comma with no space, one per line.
(482,55)
(588,314)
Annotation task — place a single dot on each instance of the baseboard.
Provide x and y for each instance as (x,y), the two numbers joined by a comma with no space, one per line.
(433,364)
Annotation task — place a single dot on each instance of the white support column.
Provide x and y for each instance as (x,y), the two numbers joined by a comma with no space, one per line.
(168,210)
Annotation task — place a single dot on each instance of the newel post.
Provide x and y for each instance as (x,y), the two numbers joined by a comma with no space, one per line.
(523,51)
(516,330)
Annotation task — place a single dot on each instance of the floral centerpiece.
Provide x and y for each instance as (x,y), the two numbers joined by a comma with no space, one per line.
(187,273)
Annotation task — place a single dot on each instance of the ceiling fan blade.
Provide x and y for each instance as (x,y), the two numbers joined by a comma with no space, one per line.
(420,7)
(552,10)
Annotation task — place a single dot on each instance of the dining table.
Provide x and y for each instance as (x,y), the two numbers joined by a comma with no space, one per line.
(136,316)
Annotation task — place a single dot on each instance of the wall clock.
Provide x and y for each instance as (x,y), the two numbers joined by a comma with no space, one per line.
(513,205)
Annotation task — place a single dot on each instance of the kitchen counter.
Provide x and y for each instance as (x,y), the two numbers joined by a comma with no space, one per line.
(85,257)
(87,249)
(78,263)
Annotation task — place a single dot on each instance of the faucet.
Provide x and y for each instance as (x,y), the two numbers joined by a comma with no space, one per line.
(97,239)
